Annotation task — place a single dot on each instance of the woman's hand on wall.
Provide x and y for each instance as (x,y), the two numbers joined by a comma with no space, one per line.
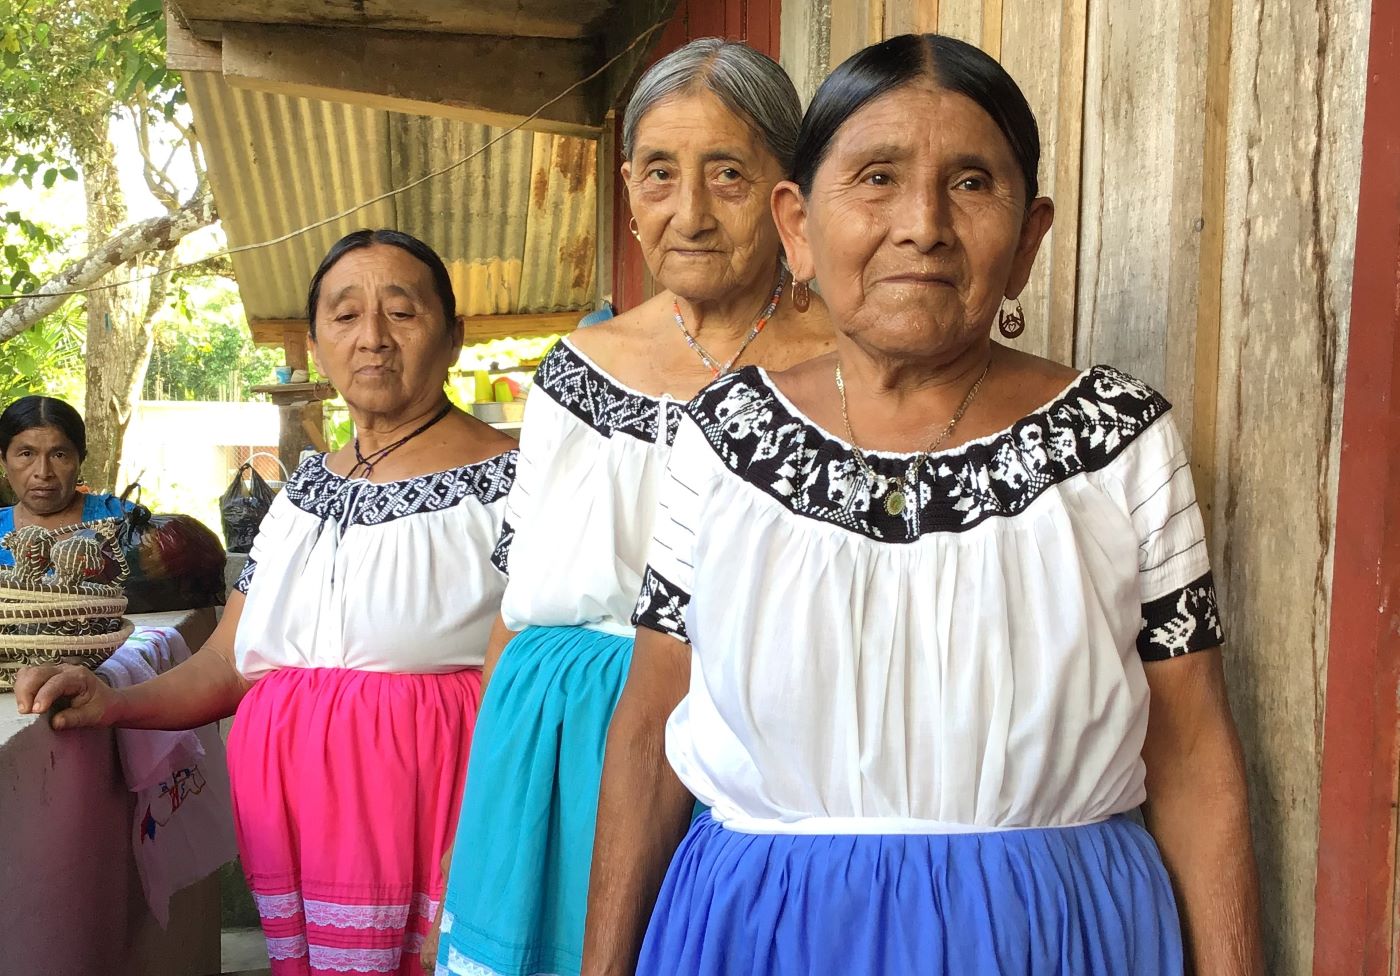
(79,698)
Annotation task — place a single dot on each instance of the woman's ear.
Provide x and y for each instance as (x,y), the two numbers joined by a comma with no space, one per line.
(1039,216)
(314,351)
(458,333)
(790,216)
(626,170)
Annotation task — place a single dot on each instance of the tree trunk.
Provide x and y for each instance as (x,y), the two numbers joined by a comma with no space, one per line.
(119,334)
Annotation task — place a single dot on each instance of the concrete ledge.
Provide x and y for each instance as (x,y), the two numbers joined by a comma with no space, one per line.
(70,896)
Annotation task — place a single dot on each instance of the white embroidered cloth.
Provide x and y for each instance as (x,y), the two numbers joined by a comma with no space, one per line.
(182,829)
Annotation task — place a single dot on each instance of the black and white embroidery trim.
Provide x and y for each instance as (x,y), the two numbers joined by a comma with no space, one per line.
(500,555)
(1181,622)
(814,475)
(595,398)
(661,606)
(245,578)
(317,490)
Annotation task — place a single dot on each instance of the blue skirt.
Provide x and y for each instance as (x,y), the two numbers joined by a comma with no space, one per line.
(1071,901)
(518,889)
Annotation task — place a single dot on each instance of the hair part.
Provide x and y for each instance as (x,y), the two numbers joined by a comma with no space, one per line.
(750,84)
(30,412)
(952,65)
(355,240)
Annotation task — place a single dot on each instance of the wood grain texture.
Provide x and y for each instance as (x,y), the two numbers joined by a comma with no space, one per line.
(854,24)
(910,17)
(961,19)
(1031,53)
(1358,924)
(447,75)
(1063,254)
(992,25)
(1293,158)
(1205,395)
(1135,130)
(805,44)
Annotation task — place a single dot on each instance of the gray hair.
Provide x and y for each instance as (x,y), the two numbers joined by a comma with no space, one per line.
(751,85)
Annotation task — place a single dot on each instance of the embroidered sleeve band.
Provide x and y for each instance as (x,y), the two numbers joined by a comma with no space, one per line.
(661,607)
(1181,622)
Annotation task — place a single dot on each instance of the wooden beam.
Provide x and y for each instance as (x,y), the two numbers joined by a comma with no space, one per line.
(274,332)
(476,78)
(854,25)
(991,27)
(294,348)
(480,328)
(605,181)
(186,51)
(522,18)
(1210,287)
(1069,145)
(1356,923)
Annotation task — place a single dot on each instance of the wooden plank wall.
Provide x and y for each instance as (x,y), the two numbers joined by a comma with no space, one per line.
(1204,160)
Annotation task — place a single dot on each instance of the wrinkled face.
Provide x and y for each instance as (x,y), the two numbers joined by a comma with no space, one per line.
(381,334)
(917,224)
(42,466)
(699,183)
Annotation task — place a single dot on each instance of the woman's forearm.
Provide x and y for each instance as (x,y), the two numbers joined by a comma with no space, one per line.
(643,813)
(1198,811)
(202,689)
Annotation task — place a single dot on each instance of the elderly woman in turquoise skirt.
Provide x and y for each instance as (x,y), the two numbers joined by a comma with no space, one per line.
(707,135)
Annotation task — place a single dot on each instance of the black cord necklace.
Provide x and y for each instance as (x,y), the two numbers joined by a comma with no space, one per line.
(368,463)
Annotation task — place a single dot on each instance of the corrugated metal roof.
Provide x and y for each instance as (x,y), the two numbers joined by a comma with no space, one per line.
(516,225)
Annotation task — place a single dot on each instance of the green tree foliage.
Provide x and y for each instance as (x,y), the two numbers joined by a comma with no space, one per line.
(203,351)
(47,358)
(66,68)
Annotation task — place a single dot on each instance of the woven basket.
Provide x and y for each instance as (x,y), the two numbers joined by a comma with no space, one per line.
(47,622)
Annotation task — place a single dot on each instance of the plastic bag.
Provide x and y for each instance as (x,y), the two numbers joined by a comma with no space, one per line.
(242,508)
(173,562)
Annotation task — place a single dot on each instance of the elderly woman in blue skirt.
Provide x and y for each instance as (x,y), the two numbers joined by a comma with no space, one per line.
(907,608)
(707,134)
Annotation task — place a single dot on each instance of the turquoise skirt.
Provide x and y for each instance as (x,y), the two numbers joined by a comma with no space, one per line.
(518,889)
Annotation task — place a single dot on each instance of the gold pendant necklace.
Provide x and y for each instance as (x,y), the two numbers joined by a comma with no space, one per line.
(897,497)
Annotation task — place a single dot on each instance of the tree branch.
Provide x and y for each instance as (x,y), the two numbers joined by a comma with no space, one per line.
(160,285)
(157,177)
(156,234)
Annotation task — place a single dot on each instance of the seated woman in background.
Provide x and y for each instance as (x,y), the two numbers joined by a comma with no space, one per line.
(43,443)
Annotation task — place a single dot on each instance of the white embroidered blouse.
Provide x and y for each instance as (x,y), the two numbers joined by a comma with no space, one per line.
(579,518)
(974,663)
(346,573)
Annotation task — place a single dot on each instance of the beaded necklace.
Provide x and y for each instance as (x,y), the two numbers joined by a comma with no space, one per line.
(720,369)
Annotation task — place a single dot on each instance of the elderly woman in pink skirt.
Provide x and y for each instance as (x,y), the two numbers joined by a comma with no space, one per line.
(351,652)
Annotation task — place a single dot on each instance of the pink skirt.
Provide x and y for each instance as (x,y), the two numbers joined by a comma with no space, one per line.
(346,787)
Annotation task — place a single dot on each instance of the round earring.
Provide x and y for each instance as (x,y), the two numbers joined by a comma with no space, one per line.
(801,296)
(632,226)
(1012,323)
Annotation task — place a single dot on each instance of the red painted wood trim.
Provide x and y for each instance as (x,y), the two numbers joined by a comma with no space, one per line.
(1356,924)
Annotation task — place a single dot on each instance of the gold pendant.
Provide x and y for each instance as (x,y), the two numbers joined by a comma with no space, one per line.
(894,502)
